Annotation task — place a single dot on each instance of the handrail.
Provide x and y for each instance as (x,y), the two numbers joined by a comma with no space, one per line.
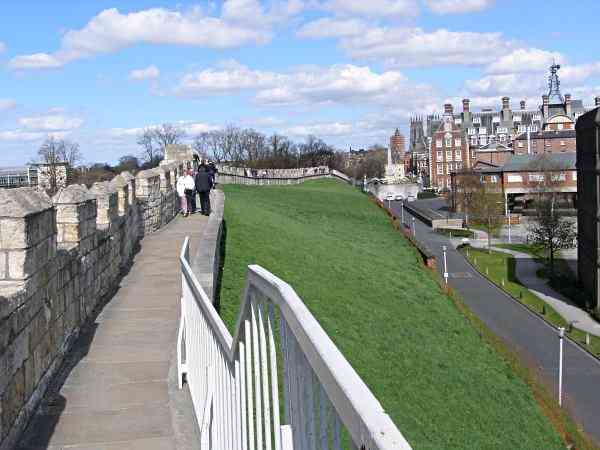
(249,367)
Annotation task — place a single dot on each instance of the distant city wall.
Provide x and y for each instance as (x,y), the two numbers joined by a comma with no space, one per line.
(60,259)
(262,177)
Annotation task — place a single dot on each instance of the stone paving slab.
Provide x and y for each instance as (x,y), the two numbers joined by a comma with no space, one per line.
(115,392)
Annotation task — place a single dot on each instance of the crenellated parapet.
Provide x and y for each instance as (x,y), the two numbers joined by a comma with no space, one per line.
(59,258)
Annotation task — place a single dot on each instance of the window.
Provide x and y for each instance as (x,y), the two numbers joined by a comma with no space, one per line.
(494,178)
(548,144)
(536,177)
(472,131)
(457,142)
(496,119)
(458,121)
(473,140)
(438,143)
(458,155)
(440,155)
(483,130)
(574,175)
(440,169)
(448,142)
(473,154)
(533,128)
(458,165)
(521,129)
(520,144)
(517,118)
(514,179)
(449,155)
(559,176)
(483,140)
(562,143)
(559,126)
(476,120)
(502,138)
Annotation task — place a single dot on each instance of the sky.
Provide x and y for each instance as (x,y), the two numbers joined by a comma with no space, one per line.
(347,71)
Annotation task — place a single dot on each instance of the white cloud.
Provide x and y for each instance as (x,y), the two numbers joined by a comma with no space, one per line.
(326,129)
(2,47)
(110,31)
(373,8)
(148,73)
(189,126)
(50,122)
(328,27)
(414,47)
(458,6)
(524,60)
(338,84)
(6,104)
(36,61)
(20,135)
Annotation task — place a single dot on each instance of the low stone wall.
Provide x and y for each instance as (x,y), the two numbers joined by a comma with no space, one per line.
(206,262)
(60,258)
(240,175)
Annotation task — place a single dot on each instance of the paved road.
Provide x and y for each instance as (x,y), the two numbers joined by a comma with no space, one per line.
(118,388)
(531,336)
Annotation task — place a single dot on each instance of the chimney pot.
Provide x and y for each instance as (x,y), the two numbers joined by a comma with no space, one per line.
(597,101)
(567,98)
(466,102)
(545,99)
(505,102)
(448,108)
(522,104)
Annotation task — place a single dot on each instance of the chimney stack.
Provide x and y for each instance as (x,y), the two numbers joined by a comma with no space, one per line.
(522,104)
(466,103)
(597,101)
(568,107)
(505,103)
(448,108)
(545,106)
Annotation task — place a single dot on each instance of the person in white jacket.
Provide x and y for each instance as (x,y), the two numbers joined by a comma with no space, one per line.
(190,191)
(181,193)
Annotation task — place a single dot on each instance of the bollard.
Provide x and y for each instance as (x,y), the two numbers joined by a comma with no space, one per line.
(587,339)
(570,330)
(475,260)
(502,282)
(520,295)
(467,252)
(487,271)
(543,309)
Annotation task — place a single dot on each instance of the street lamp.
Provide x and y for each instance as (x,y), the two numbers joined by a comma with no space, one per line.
(509,241)
(414,228)
(561,335)
(402,211)
(445,265)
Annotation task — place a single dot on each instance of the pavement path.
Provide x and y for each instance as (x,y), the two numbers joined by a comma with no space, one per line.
(534,339)
(115,391)
(526,271)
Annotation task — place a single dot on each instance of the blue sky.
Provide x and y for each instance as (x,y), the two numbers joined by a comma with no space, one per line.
(349,71)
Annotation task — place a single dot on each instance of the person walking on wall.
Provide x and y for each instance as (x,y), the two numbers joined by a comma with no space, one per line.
(180,186)
(190,191)
(203,186)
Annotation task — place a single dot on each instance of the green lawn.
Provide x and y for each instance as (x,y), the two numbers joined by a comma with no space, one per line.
(441,383)
(500,268)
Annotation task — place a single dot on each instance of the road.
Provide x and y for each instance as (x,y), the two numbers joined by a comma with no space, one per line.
(534,339)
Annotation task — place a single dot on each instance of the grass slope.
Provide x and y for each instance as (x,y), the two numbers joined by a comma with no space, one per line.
(441,384)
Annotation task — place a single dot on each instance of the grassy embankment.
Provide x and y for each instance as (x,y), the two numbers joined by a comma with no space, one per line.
(500,269)
(442,383)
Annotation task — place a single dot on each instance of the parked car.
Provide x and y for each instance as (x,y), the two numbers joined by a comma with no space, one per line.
(410,198)
(399,197)
(389,198)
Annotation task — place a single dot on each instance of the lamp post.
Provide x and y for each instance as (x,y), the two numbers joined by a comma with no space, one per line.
(445,265)
(414,228)
(561,335)
(509,241)
(402,211)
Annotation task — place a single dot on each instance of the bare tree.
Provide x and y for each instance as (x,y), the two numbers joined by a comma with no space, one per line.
(151,152)
(487,208)
(467,183)
(50,155)
(70,152)
(168,134)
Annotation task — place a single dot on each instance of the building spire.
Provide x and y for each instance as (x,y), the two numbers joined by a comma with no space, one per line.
(555,97)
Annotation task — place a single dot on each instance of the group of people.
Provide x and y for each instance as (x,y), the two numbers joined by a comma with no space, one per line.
(191,183)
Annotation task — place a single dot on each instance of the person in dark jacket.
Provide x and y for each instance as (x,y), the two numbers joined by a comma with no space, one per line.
(212,170)
(203,186)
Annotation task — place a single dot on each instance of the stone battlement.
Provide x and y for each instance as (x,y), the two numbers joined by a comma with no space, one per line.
(60,258)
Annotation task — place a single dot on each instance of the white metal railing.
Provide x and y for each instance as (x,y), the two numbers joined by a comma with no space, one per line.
(280,383)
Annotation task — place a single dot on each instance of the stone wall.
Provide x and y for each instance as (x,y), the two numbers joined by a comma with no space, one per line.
(265,177)
(60,259)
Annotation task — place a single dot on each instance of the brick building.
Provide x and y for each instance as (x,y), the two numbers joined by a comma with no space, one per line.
(397,143)
(449,151)
(493,135)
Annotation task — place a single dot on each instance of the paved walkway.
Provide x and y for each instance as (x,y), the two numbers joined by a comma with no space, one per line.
(526,271)
(116,390)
